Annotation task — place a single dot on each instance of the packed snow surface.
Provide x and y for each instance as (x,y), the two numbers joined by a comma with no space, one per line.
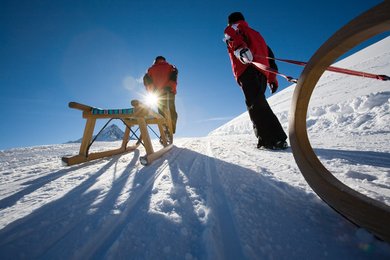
(216,197)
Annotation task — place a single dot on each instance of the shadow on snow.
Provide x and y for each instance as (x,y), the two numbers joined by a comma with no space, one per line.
(204,208)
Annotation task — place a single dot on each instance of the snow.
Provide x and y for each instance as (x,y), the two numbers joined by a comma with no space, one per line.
(215,197)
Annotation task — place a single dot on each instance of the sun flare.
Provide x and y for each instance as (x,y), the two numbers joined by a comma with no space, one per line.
(151,99)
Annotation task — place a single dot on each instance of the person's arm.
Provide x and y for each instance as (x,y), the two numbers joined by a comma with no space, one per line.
(236,42)
(172,83)
(272,81)
(174,73)
(233,38)
(148,82)
(271,61)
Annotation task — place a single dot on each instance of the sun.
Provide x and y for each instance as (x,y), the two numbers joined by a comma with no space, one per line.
(151,99)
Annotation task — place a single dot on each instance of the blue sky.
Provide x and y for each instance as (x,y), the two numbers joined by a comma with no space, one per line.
(94,52)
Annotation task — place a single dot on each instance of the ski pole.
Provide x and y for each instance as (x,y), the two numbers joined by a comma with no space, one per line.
(269,69)
(338,70)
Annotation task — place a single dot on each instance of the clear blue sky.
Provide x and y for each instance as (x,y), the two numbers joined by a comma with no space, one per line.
(93,52)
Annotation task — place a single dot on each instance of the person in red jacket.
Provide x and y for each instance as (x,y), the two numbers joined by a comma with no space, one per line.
(161,79)
(245,46)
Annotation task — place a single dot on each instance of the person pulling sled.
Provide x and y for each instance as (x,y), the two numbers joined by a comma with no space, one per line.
(161,80)
(245,46)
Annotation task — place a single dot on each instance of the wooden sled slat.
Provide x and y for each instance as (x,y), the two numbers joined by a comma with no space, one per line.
(97,155)
(148,159)
(139,114)
(79,106)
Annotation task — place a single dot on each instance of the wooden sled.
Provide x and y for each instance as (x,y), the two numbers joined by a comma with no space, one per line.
(358,208)
(140,115)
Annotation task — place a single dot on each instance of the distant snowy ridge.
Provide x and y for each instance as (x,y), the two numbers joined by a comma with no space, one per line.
(109,134)
(366,109)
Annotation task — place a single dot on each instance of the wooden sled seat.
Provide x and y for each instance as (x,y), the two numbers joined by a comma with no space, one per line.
(139,115)
(126,111)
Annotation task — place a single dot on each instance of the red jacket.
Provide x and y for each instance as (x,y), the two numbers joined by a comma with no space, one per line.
(240,35)
(160,76)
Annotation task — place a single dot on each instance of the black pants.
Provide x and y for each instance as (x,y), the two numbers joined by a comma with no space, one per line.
(265,124)
(168,99)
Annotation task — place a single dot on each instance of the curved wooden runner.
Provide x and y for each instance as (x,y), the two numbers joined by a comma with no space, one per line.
(361,210)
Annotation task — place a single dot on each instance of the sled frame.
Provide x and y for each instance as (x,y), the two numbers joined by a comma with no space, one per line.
(140,115)
(356,207)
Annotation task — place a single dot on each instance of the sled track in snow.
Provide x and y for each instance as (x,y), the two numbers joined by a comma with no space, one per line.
(224,232)
(358,208)
(232,248)
(103,241)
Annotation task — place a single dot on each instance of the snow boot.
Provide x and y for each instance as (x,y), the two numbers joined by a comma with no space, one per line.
(280,145)
(260,143)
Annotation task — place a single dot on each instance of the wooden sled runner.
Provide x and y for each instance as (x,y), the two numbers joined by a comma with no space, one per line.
(358,208)
(140,115)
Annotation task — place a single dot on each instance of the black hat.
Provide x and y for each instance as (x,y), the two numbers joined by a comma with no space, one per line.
(159,58)
(235,17)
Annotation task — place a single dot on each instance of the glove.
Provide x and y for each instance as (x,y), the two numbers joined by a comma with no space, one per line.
(244,55)
(274,86)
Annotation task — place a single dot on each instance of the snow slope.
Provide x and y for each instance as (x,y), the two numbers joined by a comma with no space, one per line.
(215,197)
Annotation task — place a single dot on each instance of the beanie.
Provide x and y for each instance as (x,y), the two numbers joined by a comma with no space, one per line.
(235,17)
(158,58)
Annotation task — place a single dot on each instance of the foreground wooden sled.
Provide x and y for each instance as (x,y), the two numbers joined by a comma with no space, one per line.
(358,208)
(139,115)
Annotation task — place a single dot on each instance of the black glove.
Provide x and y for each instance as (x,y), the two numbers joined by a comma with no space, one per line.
(274,86)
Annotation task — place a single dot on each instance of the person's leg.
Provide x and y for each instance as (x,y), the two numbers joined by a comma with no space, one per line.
(166,100)
(172,109)
(266,125)
(162,103)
